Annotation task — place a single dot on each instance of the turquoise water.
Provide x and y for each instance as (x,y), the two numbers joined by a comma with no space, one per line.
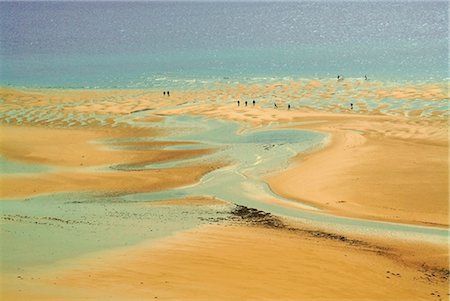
(256,154)
(175,45)
(83,223)
(45,229)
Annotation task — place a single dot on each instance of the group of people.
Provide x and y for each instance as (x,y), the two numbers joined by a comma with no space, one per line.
(246,103)
(339,78)
(254,102)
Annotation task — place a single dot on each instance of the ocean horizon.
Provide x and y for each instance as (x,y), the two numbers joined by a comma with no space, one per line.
(185,45)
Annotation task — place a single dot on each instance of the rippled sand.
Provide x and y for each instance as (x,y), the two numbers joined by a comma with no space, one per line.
(92,107)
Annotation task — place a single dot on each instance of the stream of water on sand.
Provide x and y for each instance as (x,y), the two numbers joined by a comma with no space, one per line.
(47,228)
(255,154)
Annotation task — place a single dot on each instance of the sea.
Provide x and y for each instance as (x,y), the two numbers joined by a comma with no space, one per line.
(191,45)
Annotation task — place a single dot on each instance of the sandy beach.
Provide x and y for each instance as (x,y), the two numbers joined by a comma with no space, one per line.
(375,165)
(247,260)
(224,150)
(376,168)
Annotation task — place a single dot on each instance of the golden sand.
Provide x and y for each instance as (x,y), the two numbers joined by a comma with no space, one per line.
(104,183)
(377,168)
(245,263)
(384,167)
(62,148)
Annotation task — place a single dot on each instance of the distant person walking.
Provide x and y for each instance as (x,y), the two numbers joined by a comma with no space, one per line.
(164,93)
(168,93)
(275,105)
(239,103)
(289,107)
(245,103)
(351,106)
(254,102)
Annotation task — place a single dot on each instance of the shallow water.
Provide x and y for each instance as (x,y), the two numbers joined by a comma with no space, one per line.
(45,229)
(48,228)
(257,153)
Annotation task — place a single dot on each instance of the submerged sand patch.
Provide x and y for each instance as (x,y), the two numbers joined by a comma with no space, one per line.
(190,201)
(71,152)
(123,182)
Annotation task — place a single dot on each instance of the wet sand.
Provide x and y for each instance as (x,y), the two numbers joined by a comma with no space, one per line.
(248,260)
(383,162)
(71,152)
